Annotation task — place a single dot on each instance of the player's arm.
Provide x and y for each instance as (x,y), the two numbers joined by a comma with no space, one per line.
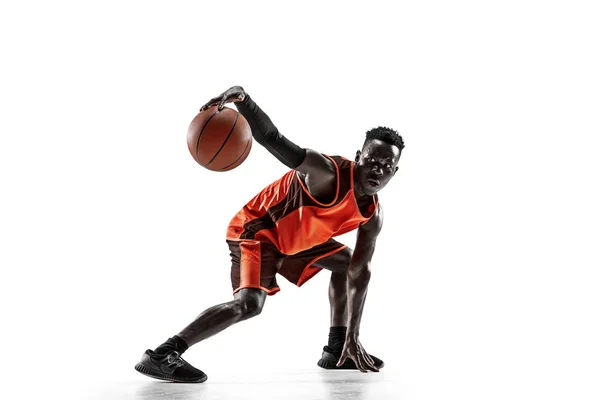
(359,274)
(305,161)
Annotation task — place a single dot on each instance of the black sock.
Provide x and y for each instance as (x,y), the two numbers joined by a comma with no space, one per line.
(337,337)
(175,343)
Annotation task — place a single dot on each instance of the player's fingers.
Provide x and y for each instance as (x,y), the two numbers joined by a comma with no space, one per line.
(359,363)
(210,103)
(371,365)
(365,360)
(222,102)
(368,360)
(341,361)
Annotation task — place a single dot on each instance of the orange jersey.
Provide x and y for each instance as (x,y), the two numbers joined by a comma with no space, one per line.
(288,216)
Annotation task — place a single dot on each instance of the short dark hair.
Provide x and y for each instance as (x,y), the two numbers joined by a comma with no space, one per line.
(387,135)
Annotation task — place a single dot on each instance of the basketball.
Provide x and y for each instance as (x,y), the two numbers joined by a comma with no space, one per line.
(219,140)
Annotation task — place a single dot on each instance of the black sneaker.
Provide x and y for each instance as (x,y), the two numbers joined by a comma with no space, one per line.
(330,358)
(169,367)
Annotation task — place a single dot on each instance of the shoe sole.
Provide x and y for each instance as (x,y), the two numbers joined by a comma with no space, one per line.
(142,369)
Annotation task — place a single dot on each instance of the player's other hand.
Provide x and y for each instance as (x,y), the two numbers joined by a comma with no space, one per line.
(233,94)
(355,351)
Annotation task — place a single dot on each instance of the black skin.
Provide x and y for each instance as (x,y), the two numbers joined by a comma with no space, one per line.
(374,166)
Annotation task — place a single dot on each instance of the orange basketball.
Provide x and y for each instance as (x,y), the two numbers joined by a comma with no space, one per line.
(219,140)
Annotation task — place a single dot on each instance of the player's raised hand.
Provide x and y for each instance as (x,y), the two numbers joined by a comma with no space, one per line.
(356,352)
(233,94)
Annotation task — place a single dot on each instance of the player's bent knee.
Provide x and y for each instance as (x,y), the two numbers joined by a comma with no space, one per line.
(337,262)
(347,253)
(251,302)
(250,307)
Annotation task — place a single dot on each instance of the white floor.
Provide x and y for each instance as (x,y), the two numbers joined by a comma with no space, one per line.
(302,384)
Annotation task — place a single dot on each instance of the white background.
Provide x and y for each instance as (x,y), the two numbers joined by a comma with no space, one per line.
(485,279)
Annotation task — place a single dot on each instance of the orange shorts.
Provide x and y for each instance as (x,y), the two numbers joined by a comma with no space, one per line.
(255,264)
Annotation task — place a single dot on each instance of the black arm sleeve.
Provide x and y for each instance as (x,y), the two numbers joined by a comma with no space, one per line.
(265,133)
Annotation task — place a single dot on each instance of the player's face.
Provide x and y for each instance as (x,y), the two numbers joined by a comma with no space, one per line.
(375,165)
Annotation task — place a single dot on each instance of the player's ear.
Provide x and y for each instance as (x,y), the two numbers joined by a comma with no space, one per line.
(395,170)
(358,153)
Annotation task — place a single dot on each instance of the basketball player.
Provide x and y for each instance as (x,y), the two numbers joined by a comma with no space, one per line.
(287,229)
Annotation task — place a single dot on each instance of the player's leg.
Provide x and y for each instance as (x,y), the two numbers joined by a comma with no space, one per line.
(253,270)
(338,264)
(165,361)
(247,303)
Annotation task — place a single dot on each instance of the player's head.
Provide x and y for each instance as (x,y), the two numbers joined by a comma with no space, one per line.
(377,162)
